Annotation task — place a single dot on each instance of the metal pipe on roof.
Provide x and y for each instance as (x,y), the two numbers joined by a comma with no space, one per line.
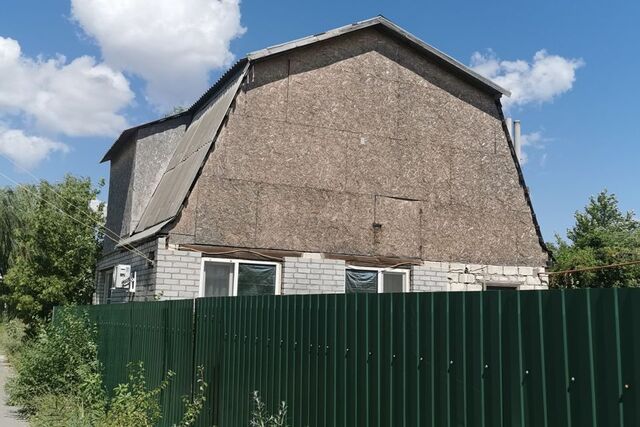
(517,139)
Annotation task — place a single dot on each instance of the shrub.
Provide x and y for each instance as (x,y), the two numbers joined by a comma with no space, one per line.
(53,410)
(12,333)
(133,405)
(62,360)
(58,381)
(194,406)
(260,416)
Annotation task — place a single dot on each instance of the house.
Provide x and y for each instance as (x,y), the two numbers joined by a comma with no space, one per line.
(357,160)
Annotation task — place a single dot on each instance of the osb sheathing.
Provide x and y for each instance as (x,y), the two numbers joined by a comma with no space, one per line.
(120,191)
(359,145)
(154,147)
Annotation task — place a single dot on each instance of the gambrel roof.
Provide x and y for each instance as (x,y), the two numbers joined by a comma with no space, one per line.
(208,113)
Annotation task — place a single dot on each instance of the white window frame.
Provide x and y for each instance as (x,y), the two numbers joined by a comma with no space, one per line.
(381,270)
(236,267)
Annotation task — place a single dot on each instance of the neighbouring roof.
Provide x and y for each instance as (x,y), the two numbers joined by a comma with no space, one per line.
(189,157)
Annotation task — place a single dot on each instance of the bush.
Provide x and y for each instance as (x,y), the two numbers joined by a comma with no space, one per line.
(54,410)
(58,381)
(193,407)
(260,417)
(133,405)
(12,333)
(61,360)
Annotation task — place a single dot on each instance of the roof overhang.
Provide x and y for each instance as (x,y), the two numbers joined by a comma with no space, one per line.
(143,235)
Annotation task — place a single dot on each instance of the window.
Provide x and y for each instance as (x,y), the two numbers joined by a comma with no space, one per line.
(231,277)
(103,290)
(500,287)
(373,280)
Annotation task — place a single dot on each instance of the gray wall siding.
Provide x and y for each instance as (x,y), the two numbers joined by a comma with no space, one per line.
(328,140)
(174,275)
(146,274)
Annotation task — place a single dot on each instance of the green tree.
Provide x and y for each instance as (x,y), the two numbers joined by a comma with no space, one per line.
(176,110)
(55,247)
(8,224)
(602,235)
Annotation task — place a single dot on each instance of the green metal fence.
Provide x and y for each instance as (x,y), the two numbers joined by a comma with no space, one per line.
(498,358)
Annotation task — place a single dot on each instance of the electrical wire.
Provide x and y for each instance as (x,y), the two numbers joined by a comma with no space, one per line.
(234,251)
(114,235)
(131,248)
(599,267)
(57,193)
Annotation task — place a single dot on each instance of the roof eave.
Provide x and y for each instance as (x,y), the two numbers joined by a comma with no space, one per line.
(127,132)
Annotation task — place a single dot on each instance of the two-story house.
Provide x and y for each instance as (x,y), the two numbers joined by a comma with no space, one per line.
(357,160)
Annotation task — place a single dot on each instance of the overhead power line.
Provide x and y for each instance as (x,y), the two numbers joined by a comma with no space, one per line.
(114,235)
(595,268)
(130,248)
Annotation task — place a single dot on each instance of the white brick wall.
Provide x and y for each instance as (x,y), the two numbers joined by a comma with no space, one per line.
(430,277)
(312,274)
(446,276)
(178,273)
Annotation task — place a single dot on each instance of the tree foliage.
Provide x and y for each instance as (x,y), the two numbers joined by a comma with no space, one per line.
(9,222)
(54,246)
(602,235)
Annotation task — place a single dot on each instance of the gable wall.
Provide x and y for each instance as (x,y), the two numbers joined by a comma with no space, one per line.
(325,141)
(120,184)
(135,172)
(155,146)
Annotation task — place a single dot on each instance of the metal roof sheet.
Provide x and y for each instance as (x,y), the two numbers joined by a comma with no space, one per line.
(222,81)
(189,157)
(149,232)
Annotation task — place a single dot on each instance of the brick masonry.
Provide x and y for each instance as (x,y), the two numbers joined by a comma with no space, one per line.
(145,274)
(450,276)
(176,275)
(312,274)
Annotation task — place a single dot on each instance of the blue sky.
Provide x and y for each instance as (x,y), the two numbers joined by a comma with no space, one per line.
(581,125)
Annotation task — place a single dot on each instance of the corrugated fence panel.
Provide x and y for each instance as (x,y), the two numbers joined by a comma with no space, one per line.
(158,334)
(629,323)
(499,358)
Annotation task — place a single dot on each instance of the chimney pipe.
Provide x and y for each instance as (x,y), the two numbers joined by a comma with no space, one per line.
(517,139)
(509,122)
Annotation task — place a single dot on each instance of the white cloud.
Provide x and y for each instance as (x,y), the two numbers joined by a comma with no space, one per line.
(534,140)
(171,44)
(97,204)
(541,80)
(27,151)
(79,98)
